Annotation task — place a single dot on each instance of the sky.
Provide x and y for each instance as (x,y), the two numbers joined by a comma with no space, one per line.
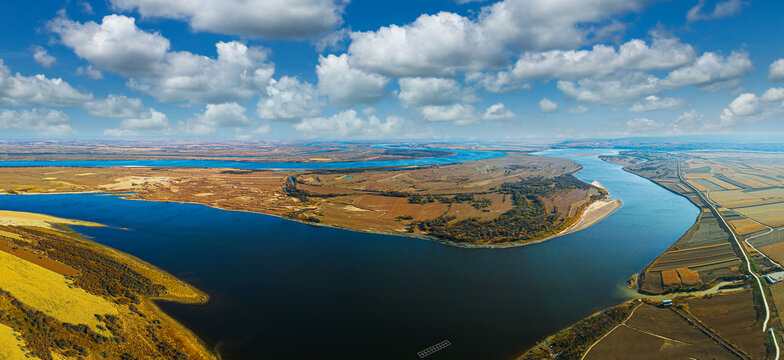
(404,69)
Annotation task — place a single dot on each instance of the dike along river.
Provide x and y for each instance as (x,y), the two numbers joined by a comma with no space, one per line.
(282,289)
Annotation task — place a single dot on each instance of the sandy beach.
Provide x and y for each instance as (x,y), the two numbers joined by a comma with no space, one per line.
(17,218)
(597,211)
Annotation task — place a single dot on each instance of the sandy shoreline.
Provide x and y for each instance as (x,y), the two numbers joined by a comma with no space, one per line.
(19,218)
(597,211)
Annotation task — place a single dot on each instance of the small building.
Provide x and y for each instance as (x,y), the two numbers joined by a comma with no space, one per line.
(769,279)
(667,302)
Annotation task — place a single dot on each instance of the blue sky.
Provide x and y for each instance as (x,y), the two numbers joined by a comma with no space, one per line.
(437,69)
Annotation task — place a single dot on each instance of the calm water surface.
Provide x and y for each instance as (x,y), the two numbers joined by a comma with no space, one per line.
(282,289)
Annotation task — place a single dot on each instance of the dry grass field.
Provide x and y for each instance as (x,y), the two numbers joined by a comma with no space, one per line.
(103,308)
(732,316)
(746,226)
(711,327)
(748,197)
(751,183)
(51,293)
(770,214)
(11,345)
(657,333)
(777,293)
(772,244)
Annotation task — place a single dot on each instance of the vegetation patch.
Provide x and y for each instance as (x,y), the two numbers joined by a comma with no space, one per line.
(528,219)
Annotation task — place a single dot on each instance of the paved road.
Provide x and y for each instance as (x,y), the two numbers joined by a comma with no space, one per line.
(770,230)
(745,257)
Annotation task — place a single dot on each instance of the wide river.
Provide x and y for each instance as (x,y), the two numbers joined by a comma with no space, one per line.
(282,289)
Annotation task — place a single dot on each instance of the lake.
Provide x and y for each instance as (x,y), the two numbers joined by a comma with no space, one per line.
(282,289)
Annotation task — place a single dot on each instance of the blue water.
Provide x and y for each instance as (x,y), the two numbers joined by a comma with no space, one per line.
(456,157)
(177,155)
(282,289)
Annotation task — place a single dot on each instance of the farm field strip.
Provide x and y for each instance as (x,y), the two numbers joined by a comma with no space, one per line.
(691,263)
(696,248)
(770,214)
(697,253)
(706,198)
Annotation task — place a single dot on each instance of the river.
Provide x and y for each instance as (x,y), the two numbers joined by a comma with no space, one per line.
(282,289)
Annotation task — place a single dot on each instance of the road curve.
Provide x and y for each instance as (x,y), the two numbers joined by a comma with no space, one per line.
(740,246)
(742,251)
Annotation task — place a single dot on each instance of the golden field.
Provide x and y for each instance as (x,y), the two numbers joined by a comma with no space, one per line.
(51,293)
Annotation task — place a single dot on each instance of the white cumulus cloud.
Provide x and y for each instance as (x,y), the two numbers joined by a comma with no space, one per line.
(421,91)
(642,125)
(708,70)
(89,72)
(288,99)
(230,115)
(722,9)
(154,121)
(653,103)
(42,57)
(747,108)
(349,124)
(20,90)
(348,86)
(776,71)
(459,114)
(116,106)
(578,110)
(745,104)
(42,121)
(254,18)
(444,43)
(497,112)
(663,54)
(433,45)
(773,94)
(118,45)
(547,106)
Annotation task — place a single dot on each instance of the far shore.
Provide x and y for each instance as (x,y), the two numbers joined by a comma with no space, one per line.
(594,213)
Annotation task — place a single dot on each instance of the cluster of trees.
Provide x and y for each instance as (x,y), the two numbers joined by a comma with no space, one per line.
(572,342)
(446,199)
(99,274)
(43,334)
(297,215)
(291,190)
(528,219)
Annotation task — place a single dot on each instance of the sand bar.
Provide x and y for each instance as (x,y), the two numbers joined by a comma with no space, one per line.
(18,218)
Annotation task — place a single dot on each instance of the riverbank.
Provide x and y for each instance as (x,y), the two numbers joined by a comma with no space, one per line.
(595,212)
(98,278)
